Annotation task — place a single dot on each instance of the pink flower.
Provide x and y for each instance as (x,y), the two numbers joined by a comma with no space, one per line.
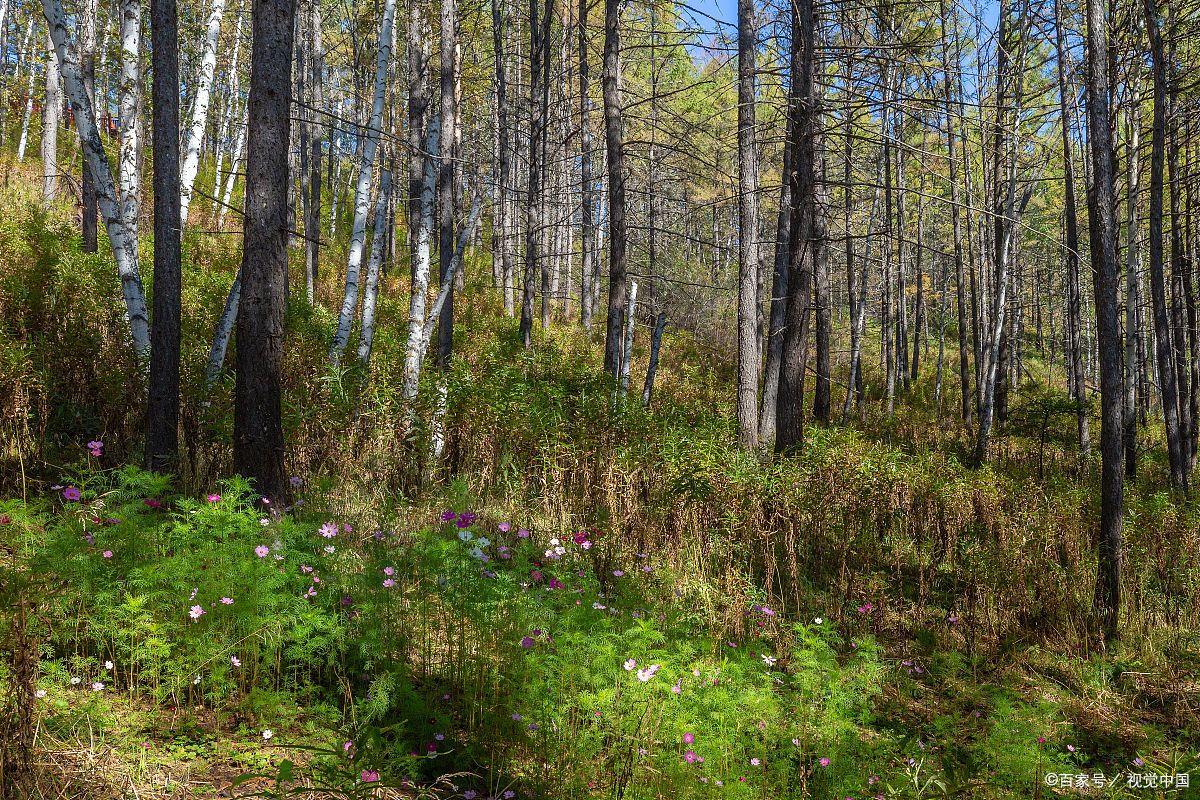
(214,498)
(865,608)
(235,661)
(262,550)
(505,527)
(107,554)
(196,612)
(824,762)
(71,493)
(388,583)
(690,757)
(328,530)
(152,503)
(226,601)
(689,738)
(370,776)
(630,665)
(522,534)
(389,571)
(755,762)
(96,447)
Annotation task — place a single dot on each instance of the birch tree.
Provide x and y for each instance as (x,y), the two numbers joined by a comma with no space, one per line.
(362,186)
(124,241)
(200,101)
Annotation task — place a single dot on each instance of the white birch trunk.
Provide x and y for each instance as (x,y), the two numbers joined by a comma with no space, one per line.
(414,347)
(51,110)
(195,135)
(362,187)
(233,90)
(28,95)
(124,246)
(627,348)
(220,343)
(234,166)
(371,290)
(127,109)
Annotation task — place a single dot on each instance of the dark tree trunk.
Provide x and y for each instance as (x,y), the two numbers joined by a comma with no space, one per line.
(446,199)
(614,140)
(162,419)
(802,105)
(1074,312)
(747,314)
(1103,230)
(586,199)
(258,447)
(1163,356)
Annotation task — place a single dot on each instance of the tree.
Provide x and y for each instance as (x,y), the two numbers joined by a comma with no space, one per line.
(200,101)
(805,228)
(87,68)
(120,235)
(258,446)
(162,417)
(362,185)
(747,315)
(614,140)
(1102,227)
(1164,357)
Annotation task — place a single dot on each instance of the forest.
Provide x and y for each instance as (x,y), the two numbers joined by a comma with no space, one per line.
(632,399)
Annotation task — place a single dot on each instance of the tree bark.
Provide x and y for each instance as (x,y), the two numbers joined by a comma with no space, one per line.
(747,313)
(614,140)
(200,100)
(1103,233)
(258,446)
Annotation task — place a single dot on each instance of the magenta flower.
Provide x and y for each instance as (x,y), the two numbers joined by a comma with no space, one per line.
(824,762)
(107,554)
(505,527)
(262,550)
(689,738)
(755,762)
(527,642)
(690,757)
(214,498)
(389,571)
(152,503)
(96,447)
(448,516)
(369,776)
(866,608)
(328,530)
(71,493)
(388,583)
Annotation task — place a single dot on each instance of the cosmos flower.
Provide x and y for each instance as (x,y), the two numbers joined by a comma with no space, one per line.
(108,665)
(40,693)
(267,734)
(769,660)
(214,498)
(388,583)
(97,687)
(235,661)
(369,776)
(71,493)
(527,642)
(689,738)
(262,550)
(196,612)
(630,665)
(649,672)
(505,527)
(690,757)
(824,762)
(328,530)
(756,762)
(107,554)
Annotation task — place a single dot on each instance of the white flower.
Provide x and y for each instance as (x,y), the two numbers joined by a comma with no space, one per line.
(97,686)
(329,549)
(768,660)
(75,681)
(196,681)
(267,733)
(598,606)
(108,665)
(264,522)
(818,621)
(555,542)
(40,693)
(630,665)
